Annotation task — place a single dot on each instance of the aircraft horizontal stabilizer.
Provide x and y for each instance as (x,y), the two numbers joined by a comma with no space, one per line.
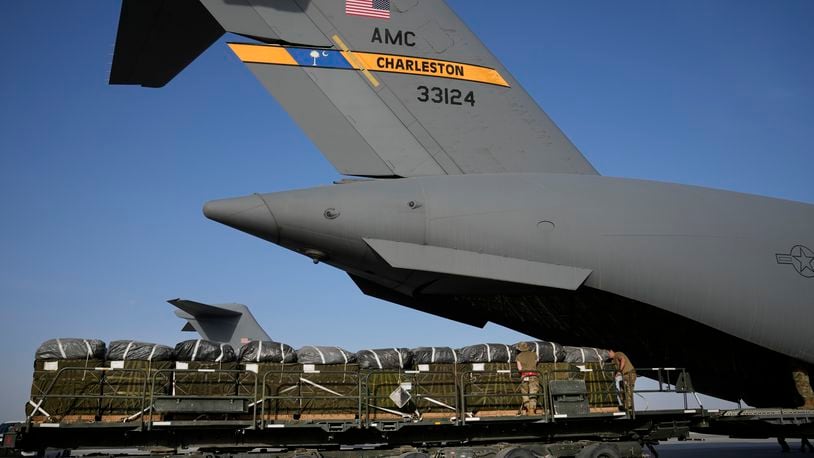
(470,264)
(159,38)
(200,310)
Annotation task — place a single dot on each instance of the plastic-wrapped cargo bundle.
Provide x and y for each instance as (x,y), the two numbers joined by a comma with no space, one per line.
(325,382)
(385,358)
(487,353)
(488,383)
(547,352)
(71,349)
(434,385)
(385,378)
(598,374)
(265,361)
(324,355)
(313,392)
(204,350)
(434,355)
(66,367)
(267,351)
(132,350)
(218,360)
(581,355)
(440,366)
(135,366)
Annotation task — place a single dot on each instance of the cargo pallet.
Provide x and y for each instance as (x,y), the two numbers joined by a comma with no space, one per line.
(247,422)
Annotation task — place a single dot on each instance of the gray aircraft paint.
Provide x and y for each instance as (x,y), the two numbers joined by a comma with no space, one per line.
(708,255)
(505,131)
(731,267)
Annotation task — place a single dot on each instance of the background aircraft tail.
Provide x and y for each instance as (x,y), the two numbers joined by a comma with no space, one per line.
(224,323)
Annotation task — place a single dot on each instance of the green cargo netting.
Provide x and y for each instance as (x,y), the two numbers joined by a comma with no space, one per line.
(495,388)
(127,388)
(600,384)
(557,371)
(310,390)
(248,381)
(73,390)
(205,379)
(57,393)
(378,385)
(435,391)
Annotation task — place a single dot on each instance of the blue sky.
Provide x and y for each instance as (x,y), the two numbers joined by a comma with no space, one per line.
(102,186)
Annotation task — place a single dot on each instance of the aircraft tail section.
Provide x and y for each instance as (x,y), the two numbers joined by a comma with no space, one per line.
(224,323)
(384,88)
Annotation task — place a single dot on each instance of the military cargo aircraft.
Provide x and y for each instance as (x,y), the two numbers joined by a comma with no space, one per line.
(467,202)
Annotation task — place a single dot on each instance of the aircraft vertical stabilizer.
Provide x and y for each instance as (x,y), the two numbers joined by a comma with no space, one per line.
(400,88)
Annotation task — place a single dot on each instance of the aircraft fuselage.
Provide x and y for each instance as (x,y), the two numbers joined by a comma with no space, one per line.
(733,262)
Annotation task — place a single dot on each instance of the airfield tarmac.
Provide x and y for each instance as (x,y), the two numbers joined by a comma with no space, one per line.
(708,446)
(699,446)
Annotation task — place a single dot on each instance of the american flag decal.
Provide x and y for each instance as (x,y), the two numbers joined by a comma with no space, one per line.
(368,8)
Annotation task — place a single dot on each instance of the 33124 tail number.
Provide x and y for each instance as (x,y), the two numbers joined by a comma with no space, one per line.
(445,95)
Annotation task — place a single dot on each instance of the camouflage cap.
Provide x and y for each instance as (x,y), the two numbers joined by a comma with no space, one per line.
(523,346)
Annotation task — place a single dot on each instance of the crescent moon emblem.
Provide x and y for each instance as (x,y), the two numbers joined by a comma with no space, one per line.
(324,53)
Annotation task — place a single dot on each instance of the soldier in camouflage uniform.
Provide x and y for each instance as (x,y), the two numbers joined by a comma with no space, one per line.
(530,384)
(628,374)
(803,384)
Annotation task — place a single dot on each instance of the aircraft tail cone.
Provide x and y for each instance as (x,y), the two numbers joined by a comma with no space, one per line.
(249,214)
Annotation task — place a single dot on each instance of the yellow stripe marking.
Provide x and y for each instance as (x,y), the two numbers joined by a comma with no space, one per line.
(262,54)
(367,62)
(351,57)
(430,67)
